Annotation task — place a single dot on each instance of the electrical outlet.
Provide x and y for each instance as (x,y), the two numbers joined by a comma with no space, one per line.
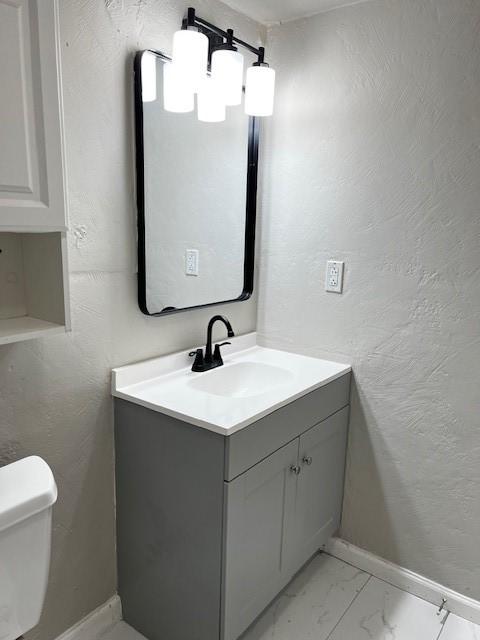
(191,262)
(334,276)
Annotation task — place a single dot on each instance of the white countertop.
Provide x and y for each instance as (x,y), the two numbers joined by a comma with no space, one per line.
(253,382)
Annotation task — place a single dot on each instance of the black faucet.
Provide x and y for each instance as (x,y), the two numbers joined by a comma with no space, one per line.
(211,360)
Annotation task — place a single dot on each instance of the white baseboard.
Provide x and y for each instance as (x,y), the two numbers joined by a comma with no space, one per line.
(409,581)
(103,618)
(96,623)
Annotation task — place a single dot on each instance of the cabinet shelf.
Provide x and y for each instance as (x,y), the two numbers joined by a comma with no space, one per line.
(33,286)
(26,328)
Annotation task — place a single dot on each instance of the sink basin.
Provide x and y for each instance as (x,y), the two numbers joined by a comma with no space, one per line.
(242,380)
(253,382)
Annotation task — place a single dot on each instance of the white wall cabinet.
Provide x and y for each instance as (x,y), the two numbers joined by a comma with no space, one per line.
(31,165)
(33,218)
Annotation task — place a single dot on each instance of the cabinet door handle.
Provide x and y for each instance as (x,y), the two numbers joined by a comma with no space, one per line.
(307,460)
(294,468)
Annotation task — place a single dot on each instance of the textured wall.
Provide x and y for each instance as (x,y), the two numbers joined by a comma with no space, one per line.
(54,394)
(374,158)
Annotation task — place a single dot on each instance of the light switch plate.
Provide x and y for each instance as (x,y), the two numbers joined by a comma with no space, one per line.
(334,276)
(191,262)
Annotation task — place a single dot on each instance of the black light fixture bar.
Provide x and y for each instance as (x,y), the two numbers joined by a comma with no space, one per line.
(192,20)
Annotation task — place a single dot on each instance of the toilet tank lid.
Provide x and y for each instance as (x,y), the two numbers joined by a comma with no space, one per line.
(26,488)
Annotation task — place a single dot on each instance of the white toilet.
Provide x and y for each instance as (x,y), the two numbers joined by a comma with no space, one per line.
(27,495)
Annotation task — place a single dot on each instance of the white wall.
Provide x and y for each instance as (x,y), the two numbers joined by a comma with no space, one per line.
(374,158)
(54,393)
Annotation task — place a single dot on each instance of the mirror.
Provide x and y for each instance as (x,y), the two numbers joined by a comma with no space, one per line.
(196,197)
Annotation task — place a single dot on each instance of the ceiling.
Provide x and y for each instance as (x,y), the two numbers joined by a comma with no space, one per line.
(268,11)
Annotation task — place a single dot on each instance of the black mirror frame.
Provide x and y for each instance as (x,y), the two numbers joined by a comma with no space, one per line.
(251,202)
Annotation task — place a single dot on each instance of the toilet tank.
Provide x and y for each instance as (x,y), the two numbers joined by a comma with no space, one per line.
(27,494)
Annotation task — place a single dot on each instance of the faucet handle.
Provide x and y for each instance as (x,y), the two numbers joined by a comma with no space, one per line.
(198,363)
(217,356)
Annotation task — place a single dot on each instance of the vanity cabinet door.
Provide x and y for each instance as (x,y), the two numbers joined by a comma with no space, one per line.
(259,507)
(319,496)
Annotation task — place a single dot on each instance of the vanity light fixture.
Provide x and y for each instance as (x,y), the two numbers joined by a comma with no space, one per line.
(149,77)
(227,71)
(190,53)
(200,44)
(260,88)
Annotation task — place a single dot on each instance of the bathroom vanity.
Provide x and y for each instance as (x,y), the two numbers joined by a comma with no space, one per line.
(227,483)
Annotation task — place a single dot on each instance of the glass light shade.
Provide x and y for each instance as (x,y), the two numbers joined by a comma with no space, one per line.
(227,71)
(210,102)
(178,95)
(259,91)
(149,77)
(190,55)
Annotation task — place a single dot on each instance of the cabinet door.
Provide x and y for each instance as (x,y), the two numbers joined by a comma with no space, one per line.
(258,505)
(31,166)
(319,497)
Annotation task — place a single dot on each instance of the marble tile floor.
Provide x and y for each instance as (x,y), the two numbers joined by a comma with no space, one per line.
(331,600)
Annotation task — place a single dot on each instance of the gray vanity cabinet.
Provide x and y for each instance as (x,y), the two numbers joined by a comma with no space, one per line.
(210,528)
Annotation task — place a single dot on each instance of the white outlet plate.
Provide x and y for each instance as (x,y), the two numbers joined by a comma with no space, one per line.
(334,276)
(191,262)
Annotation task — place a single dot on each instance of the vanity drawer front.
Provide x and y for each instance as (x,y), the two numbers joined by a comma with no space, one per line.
(246,447)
